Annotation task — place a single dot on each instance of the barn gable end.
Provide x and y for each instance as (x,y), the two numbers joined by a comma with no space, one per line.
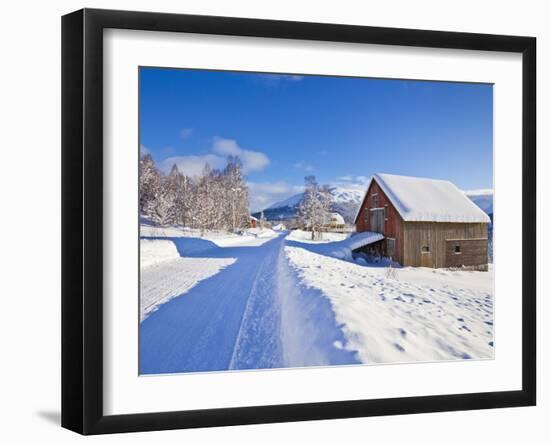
(392,221)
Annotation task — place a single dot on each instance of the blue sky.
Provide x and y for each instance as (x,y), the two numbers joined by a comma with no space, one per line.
(342,130)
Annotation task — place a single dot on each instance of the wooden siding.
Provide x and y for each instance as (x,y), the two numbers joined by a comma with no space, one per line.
(473,252)
(393,223)
(417,235)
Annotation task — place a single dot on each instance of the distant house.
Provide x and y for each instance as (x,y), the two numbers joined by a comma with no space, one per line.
(425,222)
(253,222)
(336,221)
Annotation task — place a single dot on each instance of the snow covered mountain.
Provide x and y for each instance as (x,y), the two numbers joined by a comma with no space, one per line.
(290,202)
(482,198)
(344,201)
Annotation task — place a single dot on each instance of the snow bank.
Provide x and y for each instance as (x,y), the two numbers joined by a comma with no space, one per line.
(334,244)
(261,233)
(429,200)
(305,237)
(410,314)
(152,252)
(148,230)
(165,275)
(249,237)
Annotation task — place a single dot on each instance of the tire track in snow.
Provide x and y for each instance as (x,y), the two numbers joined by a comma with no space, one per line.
(257,344)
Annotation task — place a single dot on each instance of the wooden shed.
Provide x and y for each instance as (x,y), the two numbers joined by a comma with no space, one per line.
(425,222)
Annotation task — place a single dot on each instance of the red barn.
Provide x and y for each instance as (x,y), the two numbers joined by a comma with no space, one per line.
(425,222)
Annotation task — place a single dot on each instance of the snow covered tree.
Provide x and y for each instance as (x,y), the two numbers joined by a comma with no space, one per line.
(236,194)
(314,209)
(149,184)
(201,206)
(164,213)
(217,199)
(181,187)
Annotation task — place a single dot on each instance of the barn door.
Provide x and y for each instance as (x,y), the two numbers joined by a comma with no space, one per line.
(426,254)
(426,259)
(377,220)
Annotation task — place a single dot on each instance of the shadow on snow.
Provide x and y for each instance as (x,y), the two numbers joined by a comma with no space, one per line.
(255,314)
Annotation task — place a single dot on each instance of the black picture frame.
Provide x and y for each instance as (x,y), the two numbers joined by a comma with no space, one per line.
(82,219)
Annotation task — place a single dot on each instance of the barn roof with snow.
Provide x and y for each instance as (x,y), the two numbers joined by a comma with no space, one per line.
(428,200)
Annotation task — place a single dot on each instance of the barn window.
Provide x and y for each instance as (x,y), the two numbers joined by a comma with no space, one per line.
(425,249)
(366,217)
(385,212)
(457,249)
(374,201)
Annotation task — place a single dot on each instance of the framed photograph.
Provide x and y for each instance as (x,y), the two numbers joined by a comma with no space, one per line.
(269,221)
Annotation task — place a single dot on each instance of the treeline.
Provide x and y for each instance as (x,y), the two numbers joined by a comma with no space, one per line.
(217,199)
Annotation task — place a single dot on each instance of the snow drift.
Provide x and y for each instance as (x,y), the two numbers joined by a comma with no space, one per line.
(335,245)
(152,252)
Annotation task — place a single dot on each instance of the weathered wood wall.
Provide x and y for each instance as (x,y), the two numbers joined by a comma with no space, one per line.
(393,224)
(473,252)
(436,235)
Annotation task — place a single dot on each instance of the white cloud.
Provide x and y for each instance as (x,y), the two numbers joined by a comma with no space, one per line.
(303,166)
(346,178)
(251,160)
(192,165)
(143,150)
(226,146)
(264,194)
(186,133)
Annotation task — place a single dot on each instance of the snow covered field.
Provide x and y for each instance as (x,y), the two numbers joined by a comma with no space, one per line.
(266,299)
(164,274)
(406,314)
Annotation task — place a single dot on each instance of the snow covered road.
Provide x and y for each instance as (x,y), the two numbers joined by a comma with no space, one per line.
(233,320)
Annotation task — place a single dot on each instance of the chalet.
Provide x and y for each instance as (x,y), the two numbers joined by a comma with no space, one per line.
(335,221)
(425,222)
(253,222)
